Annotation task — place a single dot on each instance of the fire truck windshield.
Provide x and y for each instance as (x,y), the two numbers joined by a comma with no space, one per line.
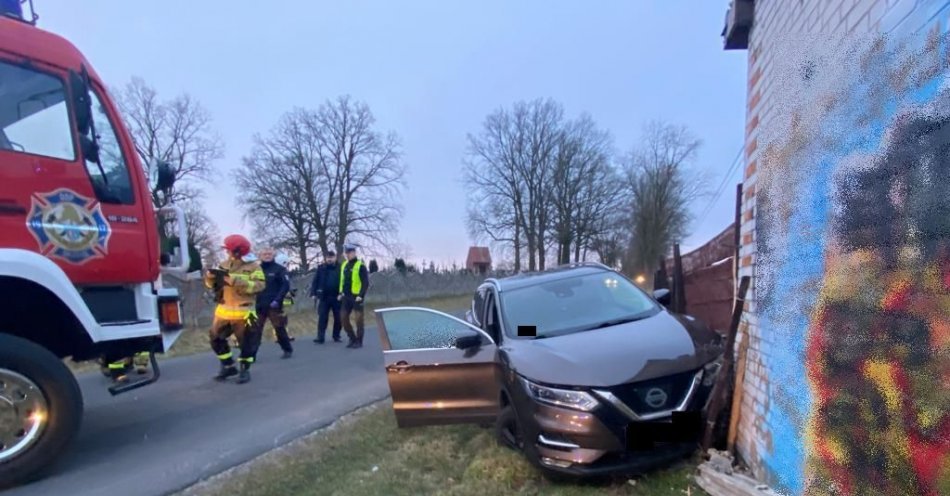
(33,114)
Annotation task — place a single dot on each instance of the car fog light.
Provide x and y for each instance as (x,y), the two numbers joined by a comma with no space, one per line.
(555,463)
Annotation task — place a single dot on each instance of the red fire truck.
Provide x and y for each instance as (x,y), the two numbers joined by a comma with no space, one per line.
(80,262)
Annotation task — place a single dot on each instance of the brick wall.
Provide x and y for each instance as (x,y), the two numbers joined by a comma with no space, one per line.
(786,35)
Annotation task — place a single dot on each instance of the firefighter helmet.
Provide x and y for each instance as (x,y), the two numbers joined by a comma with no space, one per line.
(237,245)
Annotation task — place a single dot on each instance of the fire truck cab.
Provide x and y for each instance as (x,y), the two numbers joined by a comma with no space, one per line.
(80,263)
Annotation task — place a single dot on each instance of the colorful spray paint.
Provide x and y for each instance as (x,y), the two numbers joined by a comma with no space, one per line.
(853,268)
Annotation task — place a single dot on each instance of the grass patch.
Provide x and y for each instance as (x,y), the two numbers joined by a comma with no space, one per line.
(366,454)
(302,324)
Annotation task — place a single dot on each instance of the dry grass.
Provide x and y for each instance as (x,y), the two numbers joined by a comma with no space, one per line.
(366,454)
(303,324)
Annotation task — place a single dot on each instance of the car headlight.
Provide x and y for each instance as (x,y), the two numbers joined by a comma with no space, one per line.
(567,398)
(711,371)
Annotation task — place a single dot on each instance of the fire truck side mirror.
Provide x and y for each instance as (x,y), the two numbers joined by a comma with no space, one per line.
(165,177)
(82,104)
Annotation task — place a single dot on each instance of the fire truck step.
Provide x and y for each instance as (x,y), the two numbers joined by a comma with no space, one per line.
(117,389)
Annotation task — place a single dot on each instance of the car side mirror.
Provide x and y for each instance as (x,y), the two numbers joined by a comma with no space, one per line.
(467,342)
(663,296)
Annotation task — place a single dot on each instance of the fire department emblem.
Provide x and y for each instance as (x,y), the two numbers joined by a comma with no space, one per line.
(69,226)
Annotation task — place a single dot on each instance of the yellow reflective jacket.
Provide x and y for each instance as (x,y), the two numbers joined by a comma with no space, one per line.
(238,298)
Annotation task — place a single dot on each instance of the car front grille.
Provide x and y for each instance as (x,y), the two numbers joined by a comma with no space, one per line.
(655,395)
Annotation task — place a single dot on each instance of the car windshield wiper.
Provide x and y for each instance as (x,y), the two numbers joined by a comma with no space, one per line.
(611,323)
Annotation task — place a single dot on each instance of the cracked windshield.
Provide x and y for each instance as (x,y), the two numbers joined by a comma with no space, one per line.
(475,248)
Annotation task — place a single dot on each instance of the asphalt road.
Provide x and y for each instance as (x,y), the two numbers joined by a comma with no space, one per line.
(186,427)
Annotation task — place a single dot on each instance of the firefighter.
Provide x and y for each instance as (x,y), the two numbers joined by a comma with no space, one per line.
(270,301)
(118,369)
(354,282)
(236,284)
(325,288)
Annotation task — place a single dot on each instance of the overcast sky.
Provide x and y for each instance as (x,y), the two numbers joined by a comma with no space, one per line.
(431,71)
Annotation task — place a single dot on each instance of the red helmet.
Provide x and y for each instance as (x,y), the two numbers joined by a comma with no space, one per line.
(237,245)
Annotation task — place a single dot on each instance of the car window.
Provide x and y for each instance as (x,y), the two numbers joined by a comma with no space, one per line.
(33,114)
(574,303)
(412,329)
(117,186)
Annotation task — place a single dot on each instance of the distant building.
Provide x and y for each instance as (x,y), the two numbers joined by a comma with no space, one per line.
(479,259)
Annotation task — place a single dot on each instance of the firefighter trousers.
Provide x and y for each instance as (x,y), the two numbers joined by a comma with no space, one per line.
(351,307)
(278,319)
(248,333)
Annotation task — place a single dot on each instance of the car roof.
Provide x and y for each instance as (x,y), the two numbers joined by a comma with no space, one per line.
(526,279)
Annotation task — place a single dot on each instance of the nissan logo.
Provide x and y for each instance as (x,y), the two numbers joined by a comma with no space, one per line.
(655,397)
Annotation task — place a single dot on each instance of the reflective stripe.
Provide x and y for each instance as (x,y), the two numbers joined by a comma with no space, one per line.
(116,365)
(232,313)
(225,356)
(246,360)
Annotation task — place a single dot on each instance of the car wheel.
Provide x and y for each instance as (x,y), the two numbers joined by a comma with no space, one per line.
(40,409)
(508,429)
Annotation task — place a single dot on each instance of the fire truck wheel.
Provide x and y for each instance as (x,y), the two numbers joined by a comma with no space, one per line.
(40,409)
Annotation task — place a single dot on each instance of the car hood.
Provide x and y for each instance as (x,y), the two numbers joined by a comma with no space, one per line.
(660,345)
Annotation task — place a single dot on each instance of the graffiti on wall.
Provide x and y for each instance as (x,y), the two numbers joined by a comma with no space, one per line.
(853,270)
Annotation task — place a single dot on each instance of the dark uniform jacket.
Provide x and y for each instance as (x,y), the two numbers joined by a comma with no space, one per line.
(327,280)
(277,284)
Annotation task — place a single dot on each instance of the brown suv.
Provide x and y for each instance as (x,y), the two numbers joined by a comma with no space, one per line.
(576,366)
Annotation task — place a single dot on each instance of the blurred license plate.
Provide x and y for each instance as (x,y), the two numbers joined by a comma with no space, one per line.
(684,427)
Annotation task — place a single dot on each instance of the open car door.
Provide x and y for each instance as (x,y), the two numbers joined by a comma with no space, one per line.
(441,370)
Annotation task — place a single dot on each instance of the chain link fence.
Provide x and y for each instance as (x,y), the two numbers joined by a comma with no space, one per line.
(388,287)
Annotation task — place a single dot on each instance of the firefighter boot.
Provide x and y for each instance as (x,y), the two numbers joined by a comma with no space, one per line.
(141,362)
(245,376)
(227,370)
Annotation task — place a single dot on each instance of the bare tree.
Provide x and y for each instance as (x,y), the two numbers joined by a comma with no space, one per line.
(322,177)
(510,163)
(202,231)
(583,188)
(176,131)
(364,169)
(662,185)
(292,198)
(179,133)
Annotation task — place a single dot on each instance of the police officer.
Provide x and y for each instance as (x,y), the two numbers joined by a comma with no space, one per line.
(270,301)
(236,283)
(325,288)
(354,282)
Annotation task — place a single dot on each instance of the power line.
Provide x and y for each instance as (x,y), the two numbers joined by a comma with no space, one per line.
(722,185)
